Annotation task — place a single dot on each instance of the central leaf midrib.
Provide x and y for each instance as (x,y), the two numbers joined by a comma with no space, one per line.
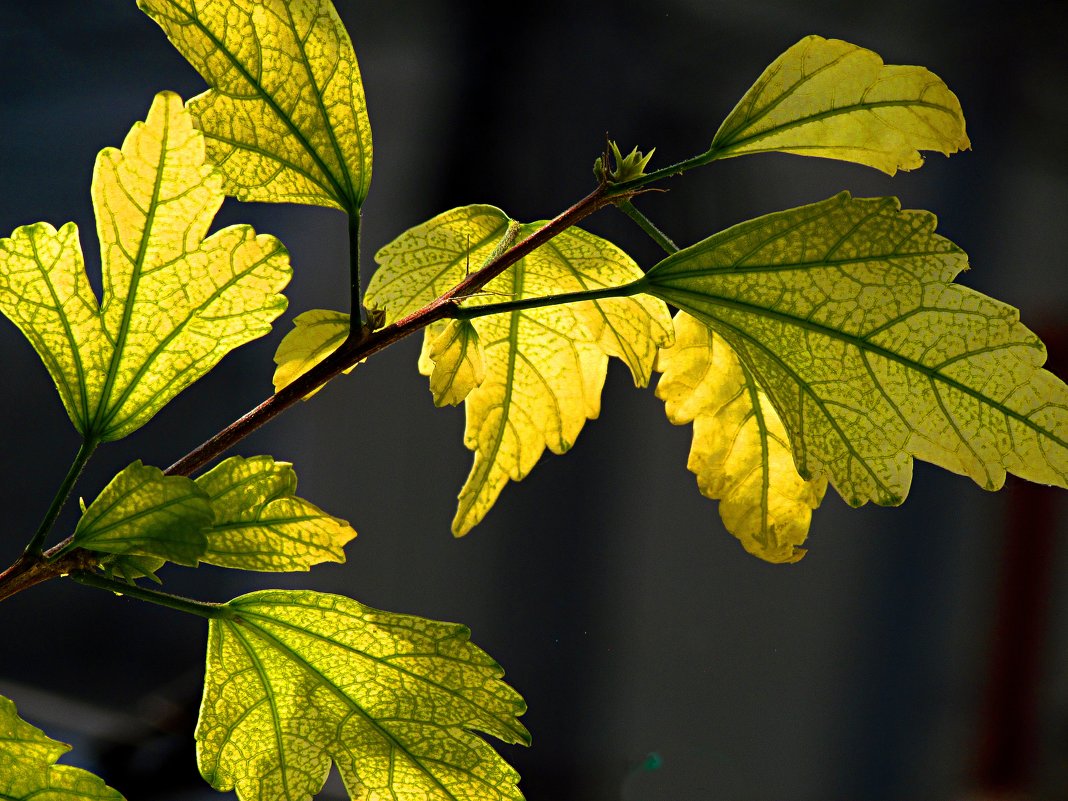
(863,345)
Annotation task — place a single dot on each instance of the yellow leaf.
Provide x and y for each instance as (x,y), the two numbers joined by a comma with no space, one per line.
(296,680)
(544,367)
(315,335)
(260,524)
(846,314)
(285,117)
(829,98)
(455,359)
(174,302)
(740,452)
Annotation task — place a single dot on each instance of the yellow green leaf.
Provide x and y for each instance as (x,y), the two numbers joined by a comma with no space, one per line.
(297,679)
(455,363)
(285,117)
(315,335)
(544,367)
(740,452)
(846,314)
(829,98)
(260,524)
(174,302)
(143,512)
(28,768)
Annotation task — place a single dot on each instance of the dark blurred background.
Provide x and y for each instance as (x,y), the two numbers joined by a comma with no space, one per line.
(918,652)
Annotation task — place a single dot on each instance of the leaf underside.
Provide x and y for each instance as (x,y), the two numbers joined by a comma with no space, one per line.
(846,314)
(28,769)
(740,453)
(297,679)
(285,117)
(316,334)
(174,302)
(829,98)
(543,368)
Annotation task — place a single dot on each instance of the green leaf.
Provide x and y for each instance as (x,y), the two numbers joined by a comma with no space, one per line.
(453,362)
(740,452)
(259,522)
(28,770)
(285,117)
(544,367)
(315,335)
(174,301)
(845,313)
(297,679)
(145,513)
(829,98)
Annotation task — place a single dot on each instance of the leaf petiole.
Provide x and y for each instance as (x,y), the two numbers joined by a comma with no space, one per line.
(357,313)
(36,545)
(471,312)
(647,225)
(177,602)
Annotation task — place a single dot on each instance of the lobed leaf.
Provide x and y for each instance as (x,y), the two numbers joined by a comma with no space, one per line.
(740,453)
(28,768)
(260,524)
(829,98)
(174,302)
(544,367)
(297,679)
(285,117)
(453,362)
(315,335)
(142,512)
(845,313)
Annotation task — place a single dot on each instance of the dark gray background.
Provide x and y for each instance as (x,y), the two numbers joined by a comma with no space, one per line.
(604,583)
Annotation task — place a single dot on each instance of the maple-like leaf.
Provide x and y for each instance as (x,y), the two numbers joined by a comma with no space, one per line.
(28,768)
(829,98)
(846,313)
(260,524)
(544,367)
(740,452)
(285,117)
(142,512)
(174,302)
(297,679)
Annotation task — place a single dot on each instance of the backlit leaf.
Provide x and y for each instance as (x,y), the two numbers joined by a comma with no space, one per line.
(145,513)
(845,312)
(455,359)
(259,522)
(315,335)
(545,367)
(174,301)
(296,680)
(740,453)
(28,770)
(285,117)
(829,98)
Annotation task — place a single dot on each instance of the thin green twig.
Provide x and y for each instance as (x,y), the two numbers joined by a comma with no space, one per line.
(181,604)
(36,545)
(647,225)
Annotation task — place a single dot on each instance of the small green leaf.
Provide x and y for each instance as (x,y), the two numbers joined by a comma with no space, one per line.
(455,363)
(740,452)
(315,335)
(145,513)
(829,98)
(259,522)
(297,679)
(285,117)
(28,770)
(544,367)
(174,301)
(845,313)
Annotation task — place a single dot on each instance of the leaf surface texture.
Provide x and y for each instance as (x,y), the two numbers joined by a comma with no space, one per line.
(28,768)
(297,679)
(175,301)
(829,98)
(544,367)
(740,452)
(316,334)
(285,117)
(846,314)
